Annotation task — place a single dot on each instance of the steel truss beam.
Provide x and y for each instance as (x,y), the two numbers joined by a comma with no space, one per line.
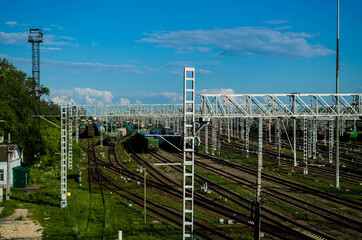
(281,105)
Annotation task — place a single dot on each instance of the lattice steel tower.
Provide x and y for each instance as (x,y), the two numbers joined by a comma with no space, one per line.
(35,38)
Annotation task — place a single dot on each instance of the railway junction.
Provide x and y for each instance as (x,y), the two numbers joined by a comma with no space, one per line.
(297,131)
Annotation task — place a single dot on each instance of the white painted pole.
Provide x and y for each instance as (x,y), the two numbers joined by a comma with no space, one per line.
(8,171)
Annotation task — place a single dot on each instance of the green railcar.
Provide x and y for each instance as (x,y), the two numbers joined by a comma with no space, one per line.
(152,144)
(113,137)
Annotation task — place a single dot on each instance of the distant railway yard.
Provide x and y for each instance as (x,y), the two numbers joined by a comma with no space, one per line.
(294,205)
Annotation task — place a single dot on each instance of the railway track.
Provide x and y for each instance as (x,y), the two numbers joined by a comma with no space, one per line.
(287,160)
(296,202)
(158,180)
(346,174)
(286,231)
(202,229)
(293,185)
(295,229)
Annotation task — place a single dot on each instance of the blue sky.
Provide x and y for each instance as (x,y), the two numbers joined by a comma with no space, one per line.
(134,51)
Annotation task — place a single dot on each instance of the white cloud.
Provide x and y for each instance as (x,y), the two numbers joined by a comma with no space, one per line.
(47,29)
(176,72)
(51,48)
(83,96)
(203,71)
(241,41)
(11,23)
(216,91)
(56,99)
(93,44)
(53,40)
(93,96)
(279,21)
(66,37)
(57,26)
(124,101)
(19,38)
(138,101)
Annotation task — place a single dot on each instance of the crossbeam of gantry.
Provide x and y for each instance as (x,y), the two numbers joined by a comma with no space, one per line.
(132,110)
(318,106)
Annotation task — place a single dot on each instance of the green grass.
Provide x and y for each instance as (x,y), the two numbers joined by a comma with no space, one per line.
(71,222)
(8,208)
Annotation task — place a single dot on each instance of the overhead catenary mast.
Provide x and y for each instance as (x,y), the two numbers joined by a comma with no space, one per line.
(336,183)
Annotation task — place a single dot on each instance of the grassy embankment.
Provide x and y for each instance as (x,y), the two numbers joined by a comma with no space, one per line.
(83,217)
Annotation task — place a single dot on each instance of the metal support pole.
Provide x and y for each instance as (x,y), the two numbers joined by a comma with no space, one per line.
(325,125)
(207,138)
(247,137)
(213,136)
(331,140)
(278,138)
(242,129)
(76,124)
(309,138)
(70,134)
(63,151)
(257,223)
(188,153)
(232,127)
(336,185)
(294,133)
(237,125)
(219,139)
(145,194)
(269,128)
(305,141)
(314,140)
(10,151)
(229,130)
(101,138)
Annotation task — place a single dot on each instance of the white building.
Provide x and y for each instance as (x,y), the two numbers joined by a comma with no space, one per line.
(15,160)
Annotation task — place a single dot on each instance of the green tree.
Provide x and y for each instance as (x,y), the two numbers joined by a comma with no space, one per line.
(18,104)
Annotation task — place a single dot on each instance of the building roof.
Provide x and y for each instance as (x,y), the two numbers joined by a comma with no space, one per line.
(4,152)
(21,169)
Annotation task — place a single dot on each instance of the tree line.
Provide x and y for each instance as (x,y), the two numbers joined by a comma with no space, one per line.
(18,106)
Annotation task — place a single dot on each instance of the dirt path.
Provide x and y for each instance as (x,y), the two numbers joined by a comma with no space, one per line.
(18,226)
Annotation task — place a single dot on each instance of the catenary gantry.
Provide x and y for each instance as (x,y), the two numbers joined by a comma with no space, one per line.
(229,110)
(295,105)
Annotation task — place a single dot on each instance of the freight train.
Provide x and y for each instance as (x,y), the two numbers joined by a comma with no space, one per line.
(118,131)
(146,142)
(177,141)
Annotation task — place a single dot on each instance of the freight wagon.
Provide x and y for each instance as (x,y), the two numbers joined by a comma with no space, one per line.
(177,141)
(146,142)
(113,137)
